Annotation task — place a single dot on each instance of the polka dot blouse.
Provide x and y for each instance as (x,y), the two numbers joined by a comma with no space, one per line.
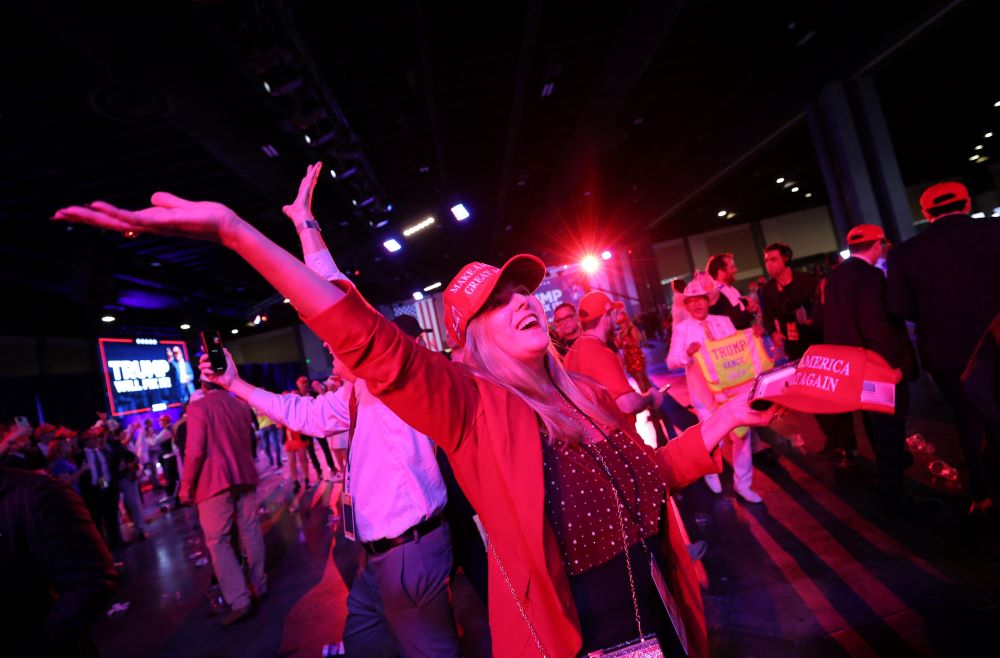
(580,502)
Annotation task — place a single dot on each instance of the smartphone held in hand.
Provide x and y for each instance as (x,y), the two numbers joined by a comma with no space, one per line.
(211,343)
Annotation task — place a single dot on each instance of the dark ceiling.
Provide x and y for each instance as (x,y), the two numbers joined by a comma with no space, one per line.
(656,115)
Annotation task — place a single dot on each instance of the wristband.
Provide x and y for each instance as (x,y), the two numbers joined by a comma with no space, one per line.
(309,223)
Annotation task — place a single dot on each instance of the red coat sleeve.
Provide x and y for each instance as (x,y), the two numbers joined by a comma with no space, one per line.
(427,391)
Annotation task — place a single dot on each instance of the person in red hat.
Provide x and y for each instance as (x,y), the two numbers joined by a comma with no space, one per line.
(591,356)
(852,311)
(945,281)
(571,499)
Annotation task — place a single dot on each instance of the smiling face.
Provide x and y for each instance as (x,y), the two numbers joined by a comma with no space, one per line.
(515,319)
(566,323)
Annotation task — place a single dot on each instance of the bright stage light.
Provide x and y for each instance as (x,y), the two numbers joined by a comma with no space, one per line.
(417,295)
(418,227)
(107,318)
(605,255)
(845,254)
(235,331)
(392,245)
(185,326)
(590,264)
(433,286)
(460,212)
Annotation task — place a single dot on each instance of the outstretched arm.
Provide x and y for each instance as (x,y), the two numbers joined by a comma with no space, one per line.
(207,220)
(314,250)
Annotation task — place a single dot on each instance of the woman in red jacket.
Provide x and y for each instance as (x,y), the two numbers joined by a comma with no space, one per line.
(573,502)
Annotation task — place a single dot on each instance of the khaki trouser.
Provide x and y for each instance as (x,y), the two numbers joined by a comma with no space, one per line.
(217,515)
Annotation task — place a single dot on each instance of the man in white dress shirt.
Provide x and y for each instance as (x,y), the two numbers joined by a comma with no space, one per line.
(689,337)
(395,485)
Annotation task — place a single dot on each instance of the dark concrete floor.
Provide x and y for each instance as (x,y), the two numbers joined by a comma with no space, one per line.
(815,570)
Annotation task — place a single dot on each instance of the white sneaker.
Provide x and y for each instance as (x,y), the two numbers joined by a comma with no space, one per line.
(748,494)
(714,483)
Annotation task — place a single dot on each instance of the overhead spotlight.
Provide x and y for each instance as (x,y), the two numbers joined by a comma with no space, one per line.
(350,171)
(605,255)
(987,135)
(382,223)
(269,150)
(308,139)
(185,326)
(367,202)
(333,173)
(256,319)
(392,245)
(590,264)
(263,317)
(974,157)
(354,202)
(780,181)
(795,189)
(460,212)
(997,104)
(267,87)
(424,169)
(235,331)
(107,318)
(433,286)
(730,215)
(418,227)
(388,208)
(417,295)
(978,215)
(286,301)
(979,147)
(721,213)
(809,195)
(845,254)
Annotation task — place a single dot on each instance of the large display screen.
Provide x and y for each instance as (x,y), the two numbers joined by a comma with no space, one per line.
(145,374)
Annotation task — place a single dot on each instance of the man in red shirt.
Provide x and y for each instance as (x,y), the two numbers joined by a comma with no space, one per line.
(591,356)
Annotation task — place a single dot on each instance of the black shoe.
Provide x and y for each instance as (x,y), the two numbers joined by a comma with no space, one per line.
(237,614)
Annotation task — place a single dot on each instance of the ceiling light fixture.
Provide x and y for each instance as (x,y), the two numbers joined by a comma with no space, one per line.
(308,139)
(185,326)
(721,213)
(418,227)
(606,255)
(107,318)
(547,89)
(979,147)
(795,189)
(267,87)
(333,173)
(809,195)
(417,295)
(392,245)
(235,331)
(460,212)
(780,181)
(987,135)
(433,286)
(974,157)
(382,223)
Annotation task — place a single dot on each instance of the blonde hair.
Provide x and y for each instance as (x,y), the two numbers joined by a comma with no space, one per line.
(491,362)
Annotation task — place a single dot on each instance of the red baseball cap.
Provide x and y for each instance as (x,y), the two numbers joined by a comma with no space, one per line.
(865,233)
(472,286)
(942,194)
(595,304)
(830,379)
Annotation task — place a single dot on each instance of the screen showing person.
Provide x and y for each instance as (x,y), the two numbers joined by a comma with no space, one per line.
(145,374)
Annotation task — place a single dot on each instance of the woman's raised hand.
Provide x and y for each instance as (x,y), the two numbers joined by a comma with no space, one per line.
(169,215)
(300,210)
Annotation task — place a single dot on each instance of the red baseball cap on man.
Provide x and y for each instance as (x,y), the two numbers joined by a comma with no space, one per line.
(943,194)
(472,286)
(595,304)
(831,379)
(865,233)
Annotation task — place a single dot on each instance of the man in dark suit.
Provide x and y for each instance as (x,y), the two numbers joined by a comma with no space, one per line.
(852,311)
(786,301)
(946,281)
(56,574)
(722,268)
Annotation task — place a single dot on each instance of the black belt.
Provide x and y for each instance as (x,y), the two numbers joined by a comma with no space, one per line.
(416,532)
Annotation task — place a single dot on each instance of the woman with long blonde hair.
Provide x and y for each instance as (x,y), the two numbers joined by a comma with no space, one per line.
(583,554)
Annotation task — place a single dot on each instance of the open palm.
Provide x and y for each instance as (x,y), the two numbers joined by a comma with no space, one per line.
(168,215)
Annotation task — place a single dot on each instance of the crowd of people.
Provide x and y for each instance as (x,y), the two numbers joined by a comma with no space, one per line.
(516,457)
